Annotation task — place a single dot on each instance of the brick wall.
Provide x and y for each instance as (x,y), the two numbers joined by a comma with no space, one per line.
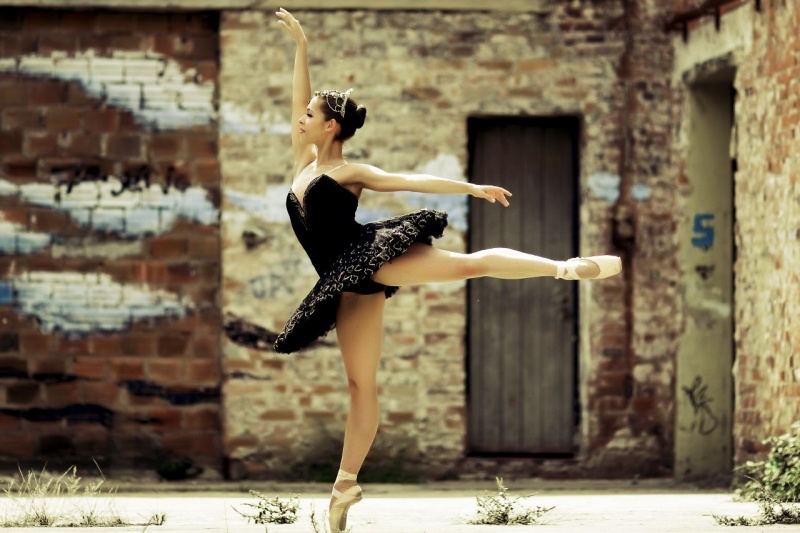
(767,370)
(764,48)
(109,241)
(421,76)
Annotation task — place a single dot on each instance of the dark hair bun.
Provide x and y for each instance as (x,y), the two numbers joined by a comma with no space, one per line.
(361,116)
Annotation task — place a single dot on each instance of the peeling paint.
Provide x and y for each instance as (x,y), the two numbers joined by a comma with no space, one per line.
(87,303)
(151,86)
(605,185)
(15,240)
(93,204)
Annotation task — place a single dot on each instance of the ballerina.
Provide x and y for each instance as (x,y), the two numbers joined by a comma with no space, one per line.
(360,266)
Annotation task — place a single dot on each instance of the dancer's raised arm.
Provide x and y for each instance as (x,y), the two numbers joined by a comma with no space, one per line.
(376,179)
(301,88)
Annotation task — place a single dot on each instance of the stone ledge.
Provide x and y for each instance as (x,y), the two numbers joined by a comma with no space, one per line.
(260,5)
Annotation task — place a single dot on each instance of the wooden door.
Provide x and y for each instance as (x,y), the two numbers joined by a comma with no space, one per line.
(522,333)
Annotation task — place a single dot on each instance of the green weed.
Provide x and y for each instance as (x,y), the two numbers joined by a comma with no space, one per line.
(503,509)
(39,499)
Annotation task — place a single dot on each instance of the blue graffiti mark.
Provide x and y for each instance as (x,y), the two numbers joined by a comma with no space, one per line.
(6,293)
(605,185)
(704,230)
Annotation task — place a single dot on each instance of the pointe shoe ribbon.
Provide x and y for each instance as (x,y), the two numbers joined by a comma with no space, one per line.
(337,516)
(609,265)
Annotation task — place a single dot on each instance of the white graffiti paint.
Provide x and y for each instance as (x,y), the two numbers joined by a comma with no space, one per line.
(605,185)
(153,87)
(134,213)
(16,240)
(78,303)
(270,207)
(641,192)
(234,119)
(456,205)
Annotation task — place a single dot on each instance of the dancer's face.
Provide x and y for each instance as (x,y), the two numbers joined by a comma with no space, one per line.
(314,128)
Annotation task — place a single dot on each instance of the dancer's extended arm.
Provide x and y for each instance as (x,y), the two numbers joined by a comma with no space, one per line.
(376,179)
(301,88)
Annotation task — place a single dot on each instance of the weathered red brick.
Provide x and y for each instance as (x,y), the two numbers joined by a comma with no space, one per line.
(143,344)
(201,146)
(173,344)
(206,346)
(58,43)
(9,423)
(90,367)
(24,118)
(203,371)
(47,220)
(152,22)
(72,346)
(124,146)
(47,93)
(21,44)
(101,393)
(168,247)
(83,144)
(38,143)
(127,369)
(111,22)
(278,414)
(60,394)
(48,365)
(165,370)
(18,444)
(206,172)
(23,393)
(11,142)
(107,345)
(203,419)
(20,169)
(101,120)
(167,146)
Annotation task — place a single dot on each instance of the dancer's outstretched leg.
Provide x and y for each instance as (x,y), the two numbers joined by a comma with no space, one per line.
(359,328)
(426,264)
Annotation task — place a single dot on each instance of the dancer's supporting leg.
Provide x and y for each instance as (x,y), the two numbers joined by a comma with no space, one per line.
(359,328)
(426,264)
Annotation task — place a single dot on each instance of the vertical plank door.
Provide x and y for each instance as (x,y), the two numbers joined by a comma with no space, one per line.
(522,333)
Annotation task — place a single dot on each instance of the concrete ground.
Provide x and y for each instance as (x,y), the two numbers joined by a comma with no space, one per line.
(592,506)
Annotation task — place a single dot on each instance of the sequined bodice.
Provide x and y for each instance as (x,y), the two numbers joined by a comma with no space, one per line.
(323,220)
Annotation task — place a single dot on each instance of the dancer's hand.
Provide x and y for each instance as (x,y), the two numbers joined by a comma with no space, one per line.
(491,193)
(291,26)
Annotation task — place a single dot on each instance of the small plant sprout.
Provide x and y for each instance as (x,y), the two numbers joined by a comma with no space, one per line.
(272,510)
(503,509)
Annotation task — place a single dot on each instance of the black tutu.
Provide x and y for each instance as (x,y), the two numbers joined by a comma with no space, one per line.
(345,253)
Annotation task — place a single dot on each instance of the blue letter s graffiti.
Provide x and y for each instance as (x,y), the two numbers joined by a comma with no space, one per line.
(704,231)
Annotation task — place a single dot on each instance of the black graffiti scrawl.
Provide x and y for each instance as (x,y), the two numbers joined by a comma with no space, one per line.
(705,421)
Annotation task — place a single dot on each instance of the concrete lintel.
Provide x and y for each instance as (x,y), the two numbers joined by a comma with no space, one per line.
(235,5)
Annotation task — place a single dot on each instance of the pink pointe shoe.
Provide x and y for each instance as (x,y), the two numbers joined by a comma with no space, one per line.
(609,265)
(337,516)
